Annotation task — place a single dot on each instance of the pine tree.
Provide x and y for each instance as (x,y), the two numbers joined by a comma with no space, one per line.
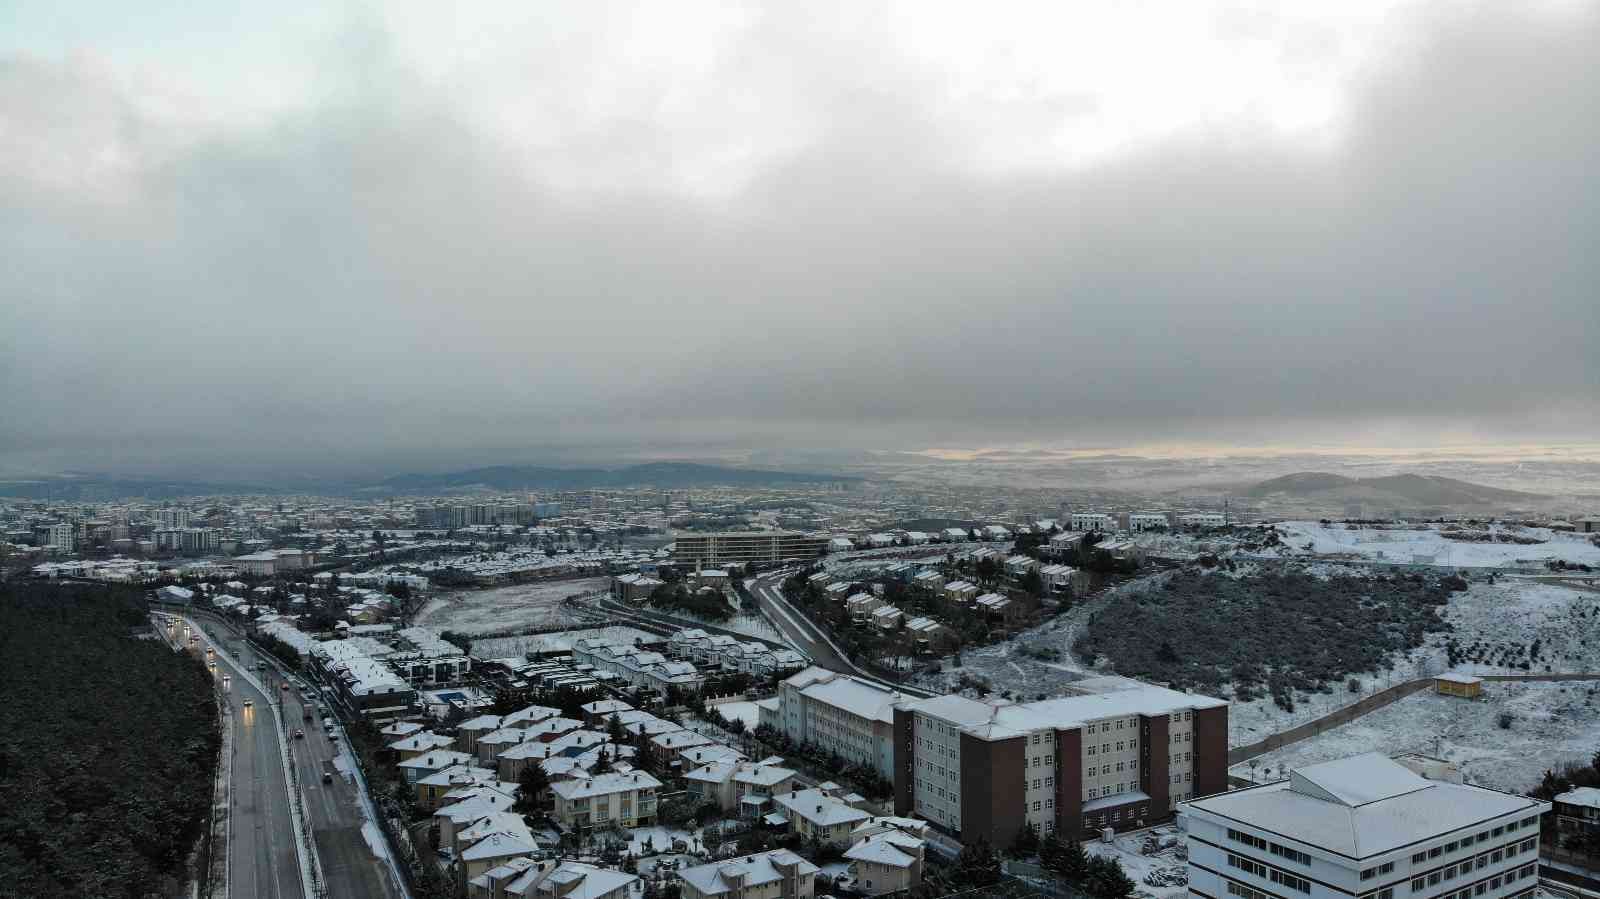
(1073,862)
(1026,842)
(978,865)
(1051,852)
(533,782)
(1106,879)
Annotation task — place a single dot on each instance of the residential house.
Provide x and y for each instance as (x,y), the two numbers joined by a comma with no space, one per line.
(887,855)
(815,814)
(777,874)
(623,798)
(526,878)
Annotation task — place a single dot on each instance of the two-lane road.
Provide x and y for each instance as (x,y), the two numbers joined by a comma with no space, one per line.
(808,635)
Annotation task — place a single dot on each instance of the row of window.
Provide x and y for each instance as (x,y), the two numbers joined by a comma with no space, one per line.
(1466,842)
(1385,868)
(1494,883)
(1182,778)
(1095,793)
(1248,839)
(1298,884)
(1244,892)
(1092,770)
(1120,724)
(1466,866)
(1185,737)
(1106,747)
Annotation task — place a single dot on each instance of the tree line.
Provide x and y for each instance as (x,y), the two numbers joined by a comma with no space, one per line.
(108,745)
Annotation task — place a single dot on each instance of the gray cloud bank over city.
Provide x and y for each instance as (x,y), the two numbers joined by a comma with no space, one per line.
(798,228)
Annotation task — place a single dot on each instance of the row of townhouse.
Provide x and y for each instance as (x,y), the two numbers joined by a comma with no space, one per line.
(721,651)
(637,666)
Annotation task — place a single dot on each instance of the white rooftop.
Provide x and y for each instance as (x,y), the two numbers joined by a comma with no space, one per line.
(1362,806)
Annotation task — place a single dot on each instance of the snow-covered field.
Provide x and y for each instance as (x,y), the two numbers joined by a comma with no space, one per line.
(744,711)
(561,641)
(1551,723)
(507,608)
(1429,544)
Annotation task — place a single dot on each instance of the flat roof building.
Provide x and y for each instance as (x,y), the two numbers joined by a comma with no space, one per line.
(739,547)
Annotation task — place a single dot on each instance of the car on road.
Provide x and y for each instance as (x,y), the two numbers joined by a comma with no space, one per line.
(299,734)
(283,686)
(248,703)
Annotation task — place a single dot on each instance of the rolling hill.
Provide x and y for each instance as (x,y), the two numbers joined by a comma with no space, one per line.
(1398,490)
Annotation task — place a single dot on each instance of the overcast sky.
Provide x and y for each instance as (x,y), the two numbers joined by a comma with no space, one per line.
(313,233)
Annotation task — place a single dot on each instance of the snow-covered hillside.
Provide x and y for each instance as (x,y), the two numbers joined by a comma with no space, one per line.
(1459,546)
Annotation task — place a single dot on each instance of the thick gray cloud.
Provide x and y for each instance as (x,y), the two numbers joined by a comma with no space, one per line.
(371,273)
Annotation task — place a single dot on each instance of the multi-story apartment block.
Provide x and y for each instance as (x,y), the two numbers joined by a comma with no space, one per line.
(1118,754)
(624,798)
(63,537)
(1103,522)
(778,874)
(739,547)
(1204,519)
(1148,521)
(840,714)
(1363,827)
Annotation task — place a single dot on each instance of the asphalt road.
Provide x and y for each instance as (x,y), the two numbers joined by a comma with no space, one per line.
(349,866)
(334,809)
(261,853)
(794,624)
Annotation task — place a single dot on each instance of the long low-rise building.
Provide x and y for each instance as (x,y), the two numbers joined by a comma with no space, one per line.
(1363,827)
(740,547)
(1118,753)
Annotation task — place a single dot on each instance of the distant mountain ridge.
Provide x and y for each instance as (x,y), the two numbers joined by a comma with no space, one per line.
(1418,489)
(653,474)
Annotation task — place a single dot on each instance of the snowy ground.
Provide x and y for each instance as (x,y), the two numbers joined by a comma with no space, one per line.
(561,641)
(1429,544)
(1505,616)
(744,711)
(1125,849)
(1551,723)
(507,608)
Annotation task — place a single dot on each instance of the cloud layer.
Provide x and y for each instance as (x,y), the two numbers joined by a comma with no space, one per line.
(406,234)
